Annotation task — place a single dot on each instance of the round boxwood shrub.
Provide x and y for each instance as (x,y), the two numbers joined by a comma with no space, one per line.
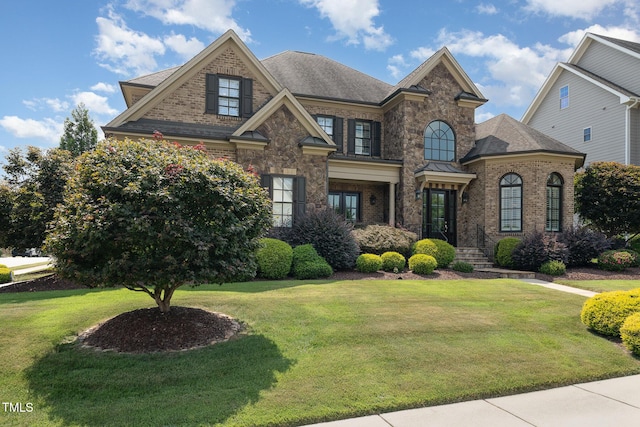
(5,275)
(425,247)
(630,333)
(617,260)
(307,264)
(463,267)
(274,258)
(368,263)
(393,261)
(378,239)
(553,268)
(606,312)
(422,264)
(504,249)
(445,253)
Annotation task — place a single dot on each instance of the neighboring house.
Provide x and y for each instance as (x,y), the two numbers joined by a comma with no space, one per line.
(592,102)
(321,134)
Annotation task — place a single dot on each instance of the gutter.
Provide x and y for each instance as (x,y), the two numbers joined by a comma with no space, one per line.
(627,130)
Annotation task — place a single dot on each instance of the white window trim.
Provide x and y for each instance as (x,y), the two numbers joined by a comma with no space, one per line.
(590,134)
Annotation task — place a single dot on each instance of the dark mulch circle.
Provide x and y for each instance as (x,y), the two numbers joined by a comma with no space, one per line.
(149,330)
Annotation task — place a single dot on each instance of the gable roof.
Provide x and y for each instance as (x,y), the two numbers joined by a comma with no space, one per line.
(626,96)
(444,56)
(504,135)
(321,77)
(180,75)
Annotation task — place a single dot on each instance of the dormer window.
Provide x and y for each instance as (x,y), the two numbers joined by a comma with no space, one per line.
(229,96)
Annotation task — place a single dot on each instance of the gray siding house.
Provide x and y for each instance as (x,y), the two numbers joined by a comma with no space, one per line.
(592,102)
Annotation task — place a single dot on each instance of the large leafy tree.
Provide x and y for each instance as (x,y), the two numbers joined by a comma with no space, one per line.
(608,197)
(153,216)
(34,184)
(80,134)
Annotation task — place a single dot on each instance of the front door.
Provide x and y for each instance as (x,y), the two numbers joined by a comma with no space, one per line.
(439,215)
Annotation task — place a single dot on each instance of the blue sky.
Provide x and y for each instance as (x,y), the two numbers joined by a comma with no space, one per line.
(60,53)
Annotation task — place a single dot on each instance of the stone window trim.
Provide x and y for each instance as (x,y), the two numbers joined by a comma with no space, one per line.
(439,141)
(555,184)
(229,96)
(510,218)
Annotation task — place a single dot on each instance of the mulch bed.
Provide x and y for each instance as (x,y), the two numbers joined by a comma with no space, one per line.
(149,330)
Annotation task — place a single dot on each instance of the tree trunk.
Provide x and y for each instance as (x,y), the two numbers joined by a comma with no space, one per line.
(163,298)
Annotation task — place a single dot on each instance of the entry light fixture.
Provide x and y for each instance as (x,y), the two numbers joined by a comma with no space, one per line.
(372,199)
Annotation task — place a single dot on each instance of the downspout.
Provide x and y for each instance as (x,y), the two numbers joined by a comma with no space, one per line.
(627,130)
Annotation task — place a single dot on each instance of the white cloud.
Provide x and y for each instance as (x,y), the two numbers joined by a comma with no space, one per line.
(483,116)
(187,49)
(94,103)
(47,129)
(422,53)
(211,15)
(585,9)
(103,87)
(122,50)
(574,37)
(354,20)
(54,104)
(515,73)
(486,9)
(396,66)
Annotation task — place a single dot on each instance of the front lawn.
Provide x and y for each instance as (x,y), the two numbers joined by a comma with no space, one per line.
(314,351)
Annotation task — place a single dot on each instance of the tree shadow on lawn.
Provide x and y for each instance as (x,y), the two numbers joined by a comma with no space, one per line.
(203,386)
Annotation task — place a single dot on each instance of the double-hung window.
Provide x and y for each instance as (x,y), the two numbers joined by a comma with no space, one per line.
(229,96)
(564,97)
(288,195)
(586,134)
(363,138)
(554,203)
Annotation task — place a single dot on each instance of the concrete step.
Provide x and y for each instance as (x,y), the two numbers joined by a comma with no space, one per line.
(473,256)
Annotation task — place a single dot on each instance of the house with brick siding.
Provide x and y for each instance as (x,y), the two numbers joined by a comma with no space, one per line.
(323,135)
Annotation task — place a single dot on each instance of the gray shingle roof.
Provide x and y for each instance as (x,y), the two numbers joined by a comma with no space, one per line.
(175,129)
(436,166)
(153,79)
(505,135)
(632,46)
(318,76)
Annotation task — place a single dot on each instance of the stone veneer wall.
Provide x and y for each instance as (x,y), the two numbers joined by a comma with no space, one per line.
(187,103)
(283,156)
(439,105)
(485,191)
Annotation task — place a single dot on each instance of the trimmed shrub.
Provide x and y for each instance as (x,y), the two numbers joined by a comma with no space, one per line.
(445,253)
(393,261)
(634,244)
(274,258)
(6,275)
(307,264)
(630,333)
(504,249)
(368,263)
(425,247)
(617,260)
(422,264)
(313,270)
(606,312)
(584,245)
(330,234)
(378,239)
(636,256)
(536,249)
(553,268)
(463,267)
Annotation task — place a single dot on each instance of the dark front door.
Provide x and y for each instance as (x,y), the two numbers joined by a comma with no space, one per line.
(439,215)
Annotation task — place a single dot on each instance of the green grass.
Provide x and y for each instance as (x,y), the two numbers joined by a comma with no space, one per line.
(601,285)
(314,351)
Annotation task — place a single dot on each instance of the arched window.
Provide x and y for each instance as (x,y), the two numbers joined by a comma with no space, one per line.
(554,202)
(439,142)
(511,203)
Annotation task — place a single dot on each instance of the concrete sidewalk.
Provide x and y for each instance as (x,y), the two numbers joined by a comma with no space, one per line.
(607,403)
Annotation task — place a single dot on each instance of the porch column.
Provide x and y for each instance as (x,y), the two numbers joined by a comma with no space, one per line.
(392,204)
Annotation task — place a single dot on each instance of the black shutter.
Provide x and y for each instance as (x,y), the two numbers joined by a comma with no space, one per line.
(376,129)
(265,181)
(351,136)
(212,94)
(300,197)
(247,98)
(338,133)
